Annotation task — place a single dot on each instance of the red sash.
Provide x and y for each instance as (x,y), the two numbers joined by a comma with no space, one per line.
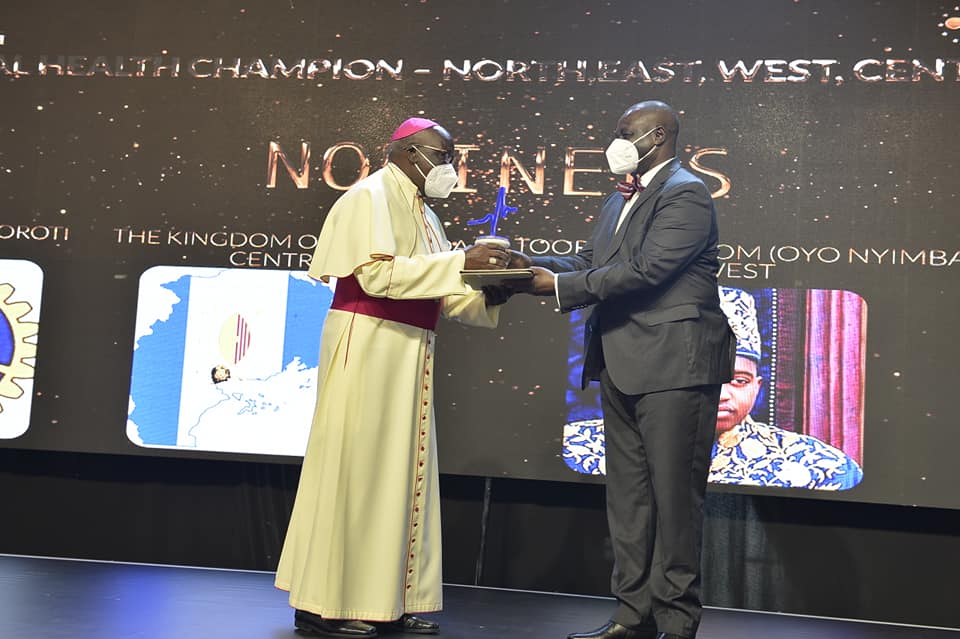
(348,296)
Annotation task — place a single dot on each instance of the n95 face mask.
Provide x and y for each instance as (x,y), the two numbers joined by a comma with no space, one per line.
(441,179)
(623,157)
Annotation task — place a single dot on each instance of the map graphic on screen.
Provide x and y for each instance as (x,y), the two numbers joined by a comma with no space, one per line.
(226,359)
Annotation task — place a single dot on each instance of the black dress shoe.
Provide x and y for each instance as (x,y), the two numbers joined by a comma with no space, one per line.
(409,623)
(613,630)
(316,625)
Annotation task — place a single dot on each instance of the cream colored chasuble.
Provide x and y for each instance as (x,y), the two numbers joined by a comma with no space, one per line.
(364,537)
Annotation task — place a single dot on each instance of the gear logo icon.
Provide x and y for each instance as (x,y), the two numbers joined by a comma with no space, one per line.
(15,349)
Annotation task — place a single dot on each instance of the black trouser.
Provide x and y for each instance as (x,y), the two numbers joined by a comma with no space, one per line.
(658,456)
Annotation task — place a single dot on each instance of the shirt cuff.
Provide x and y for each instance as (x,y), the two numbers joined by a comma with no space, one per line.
(556,289)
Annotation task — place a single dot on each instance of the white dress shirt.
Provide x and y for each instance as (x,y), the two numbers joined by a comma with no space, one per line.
(645,180)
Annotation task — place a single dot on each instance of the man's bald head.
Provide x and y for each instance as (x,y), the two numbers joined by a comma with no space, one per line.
(654,113)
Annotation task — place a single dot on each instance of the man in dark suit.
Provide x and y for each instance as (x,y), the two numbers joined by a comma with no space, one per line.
(661,348)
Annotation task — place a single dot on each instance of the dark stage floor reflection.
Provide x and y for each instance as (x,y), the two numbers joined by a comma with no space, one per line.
(46,598)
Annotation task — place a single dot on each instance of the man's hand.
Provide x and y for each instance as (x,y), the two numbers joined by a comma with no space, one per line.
(519,260)
(497,295)
(542,283)
(480,257)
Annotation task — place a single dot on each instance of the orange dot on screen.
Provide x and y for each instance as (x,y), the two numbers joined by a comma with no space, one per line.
(952,23)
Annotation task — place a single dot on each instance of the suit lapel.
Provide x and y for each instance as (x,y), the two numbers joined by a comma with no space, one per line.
(655,185)
(608,222)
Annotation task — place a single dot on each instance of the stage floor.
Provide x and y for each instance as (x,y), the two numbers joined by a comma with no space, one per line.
(51,598)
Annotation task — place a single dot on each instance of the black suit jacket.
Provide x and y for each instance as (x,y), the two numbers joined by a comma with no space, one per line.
(657,323)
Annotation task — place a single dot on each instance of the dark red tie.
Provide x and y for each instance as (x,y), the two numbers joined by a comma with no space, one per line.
(627,189)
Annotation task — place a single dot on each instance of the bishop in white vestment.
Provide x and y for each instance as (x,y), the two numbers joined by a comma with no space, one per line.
(364,538)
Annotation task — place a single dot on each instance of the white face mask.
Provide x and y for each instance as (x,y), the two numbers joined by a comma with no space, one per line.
(623,157)
(441,179)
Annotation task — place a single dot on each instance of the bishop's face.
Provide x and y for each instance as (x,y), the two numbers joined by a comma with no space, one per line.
(429,150)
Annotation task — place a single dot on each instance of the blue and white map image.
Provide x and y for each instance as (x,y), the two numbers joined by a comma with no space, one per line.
(226,359)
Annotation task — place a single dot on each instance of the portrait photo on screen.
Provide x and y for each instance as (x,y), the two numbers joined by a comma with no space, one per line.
(791,417)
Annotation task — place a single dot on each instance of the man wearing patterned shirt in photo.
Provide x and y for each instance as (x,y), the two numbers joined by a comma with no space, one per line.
(751,453)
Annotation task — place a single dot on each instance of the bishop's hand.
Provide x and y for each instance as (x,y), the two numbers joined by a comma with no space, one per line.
(497,295)
(484,257)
